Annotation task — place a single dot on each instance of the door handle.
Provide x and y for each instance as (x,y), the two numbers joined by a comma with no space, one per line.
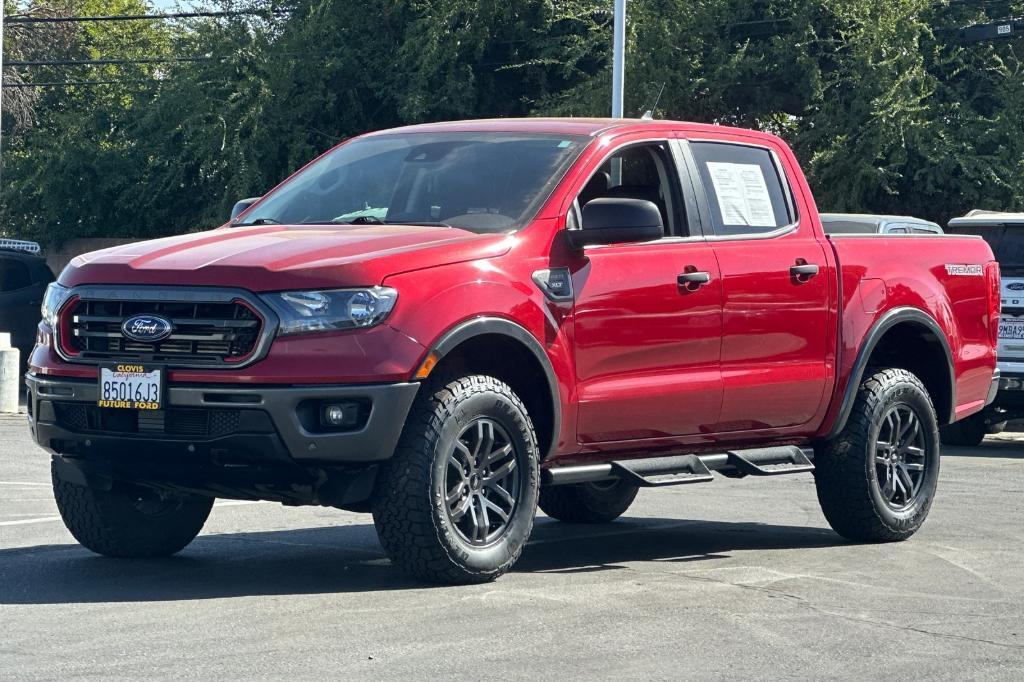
(803,270)
(691,280)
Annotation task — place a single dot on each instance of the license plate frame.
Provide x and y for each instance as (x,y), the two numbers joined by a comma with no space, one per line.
(131,386)
(1013,328)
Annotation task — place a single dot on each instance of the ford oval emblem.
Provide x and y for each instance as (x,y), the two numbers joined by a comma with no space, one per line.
(146,328)
(1015,286)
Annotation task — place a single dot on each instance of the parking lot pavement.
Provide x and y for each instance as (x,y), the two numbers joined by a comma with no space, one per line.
(738,579)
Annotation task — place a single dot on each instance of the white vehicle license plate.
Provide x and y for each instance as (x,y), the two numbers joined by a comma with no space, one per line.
(131,387)
(1011,329)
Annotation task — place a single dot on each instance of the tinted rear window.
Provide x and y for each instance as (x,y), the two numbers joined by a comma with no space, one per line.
(1007,242)
(14,275)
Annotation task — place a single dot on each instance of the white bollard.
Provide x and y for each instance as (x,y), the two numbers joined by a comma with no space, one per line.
(10,375)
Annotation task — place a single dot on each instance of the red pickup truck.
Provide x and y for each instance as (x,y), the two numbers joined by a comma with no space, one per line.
(450,325)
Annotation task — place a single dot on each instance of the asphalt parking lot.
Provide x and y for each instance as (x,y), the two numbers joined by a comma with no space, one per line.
(736,579)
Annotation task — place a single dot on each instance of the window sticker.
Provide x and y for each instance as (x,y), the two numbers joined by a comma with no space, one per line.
(742,193)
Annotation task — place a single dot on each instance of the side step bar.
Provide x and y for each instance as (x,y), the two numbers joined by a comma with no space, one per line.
(680,469)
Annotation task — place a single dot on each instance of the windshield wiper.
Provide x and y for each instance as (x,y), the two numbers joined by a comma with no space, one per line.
(424,223)
(360,220)
(373,220)
(258,221)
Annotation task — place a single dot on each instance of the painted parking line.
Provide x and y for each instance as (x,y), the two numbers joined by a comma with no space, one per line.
(41,485)
(22,522)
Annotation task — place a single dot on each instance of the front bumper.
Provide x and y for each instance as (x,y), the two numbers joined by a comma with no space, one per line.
(249,424)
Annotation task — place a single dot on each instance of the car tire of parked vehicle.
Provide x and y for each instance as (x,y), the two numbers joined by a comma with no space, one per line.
(128,521)
(594,502)
(969,432)
(876,480)
(456,502)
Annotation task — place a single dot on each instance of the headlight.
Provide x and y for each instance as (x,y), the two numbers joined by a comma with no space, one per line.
(319,311)
(52,300)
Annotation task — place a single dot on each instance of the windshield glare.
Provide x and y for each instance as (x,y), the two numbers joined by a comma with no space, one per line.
(482,182)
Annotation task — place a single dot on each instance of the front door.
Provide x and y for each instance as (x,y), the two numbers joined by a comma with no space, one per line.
(647,330)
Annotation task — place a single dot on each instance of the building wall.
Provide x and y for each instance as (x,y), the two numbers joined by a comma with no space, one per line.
(58,258)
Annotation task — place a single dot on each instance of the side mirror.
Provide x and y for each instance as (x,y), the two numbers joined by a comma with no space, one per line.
(240,206)
(617,221)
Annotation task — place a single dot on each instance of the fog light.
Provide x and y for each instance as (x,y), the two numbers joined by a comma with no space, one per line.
(340,415)
(335,415)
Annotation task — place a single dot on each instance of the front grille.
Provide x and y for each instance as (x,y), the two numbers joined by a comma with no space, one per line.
(220,333)
(180,422)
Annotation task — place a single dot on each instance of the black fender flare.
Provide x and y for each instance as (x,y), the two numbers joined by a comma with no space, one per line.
(886,322)
(480,326)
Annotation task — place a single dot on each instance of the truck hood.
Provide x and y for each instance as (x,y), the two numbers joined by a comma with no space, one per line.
(276,257)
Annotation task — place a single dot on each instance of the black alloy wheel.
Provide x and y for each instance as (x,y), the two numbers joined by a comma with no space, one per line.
(482,482)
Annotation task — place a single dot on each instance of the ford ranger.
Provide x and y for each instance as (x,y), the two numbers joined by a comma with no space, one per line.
(451,325)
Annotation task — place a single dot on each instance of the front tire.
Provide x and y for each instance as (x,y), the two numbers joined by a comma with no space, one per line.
(129,521)
(596,502)
(456,502)
(877,479)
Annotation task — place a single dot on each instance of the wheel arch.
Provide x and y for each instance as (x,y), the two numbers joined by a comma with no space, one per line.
(500,347)
(910,339)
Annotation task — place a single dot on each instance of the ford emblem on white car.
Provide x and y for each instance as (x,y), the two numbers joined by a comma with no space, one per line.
(146,328)
(1015,286)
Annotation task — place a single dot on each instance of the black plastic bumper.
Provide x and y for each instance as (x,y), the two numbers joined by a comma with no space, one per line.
(245,424)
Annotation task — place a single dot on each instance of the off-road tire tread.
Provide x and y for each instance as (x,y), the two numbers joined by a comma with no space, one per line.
(101,523)
(844,490)
(402,515)
(579,503)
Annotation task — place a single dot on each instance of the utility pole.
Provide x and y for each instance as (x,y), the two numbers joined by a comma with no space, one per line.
(1,82)
(618,57)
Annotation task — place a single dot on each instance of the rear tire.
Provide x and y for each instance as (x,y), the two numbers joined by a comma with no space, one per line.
(129,521)
(969,432)
(876,480)
(456,502)
(598,502)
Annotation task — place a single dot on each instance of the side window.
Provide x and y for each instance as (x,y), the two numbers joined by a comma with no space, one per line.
(14,275)
(643,171)
(745,193)
(897,229)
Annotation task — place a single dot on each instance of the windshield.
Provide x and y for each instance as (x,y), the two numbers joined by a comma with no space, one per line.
(482,182)
(1006,240)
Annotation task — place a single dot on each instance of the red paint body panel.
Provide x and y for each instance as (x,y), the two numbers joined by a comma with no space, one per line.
(641,366)
(647,350)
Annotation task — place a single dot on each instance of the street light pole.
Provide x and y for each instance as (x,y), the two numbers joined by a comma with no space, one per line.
(618,57)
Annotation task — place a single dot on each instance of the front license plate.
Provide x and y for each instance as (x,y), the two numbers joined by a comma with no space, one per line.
(131,387)
(1011,329)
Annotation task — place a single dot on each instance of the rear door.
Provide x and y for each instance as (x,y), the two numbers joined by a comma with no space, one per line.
(647,343)
(775,287)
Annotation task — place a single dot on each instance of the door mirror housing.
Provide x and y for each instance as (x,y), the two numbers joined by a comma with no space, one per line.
(617,221)
(240,206)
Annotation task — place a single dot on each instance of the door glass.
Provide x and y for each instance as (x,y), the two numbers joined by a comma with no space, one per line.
(639,172)
(14,275)
(743,187)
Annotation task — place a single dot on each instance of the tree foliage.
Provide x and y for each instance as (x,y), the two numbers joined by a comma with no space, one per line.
(887,110)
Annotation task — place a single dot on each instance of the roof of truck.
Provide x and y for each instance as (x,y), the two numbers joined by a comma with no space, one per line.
(565,126)
(981,218)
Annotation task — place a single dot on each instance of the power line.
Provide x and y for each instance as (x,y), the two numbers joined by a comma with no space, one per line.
(141,17)
(56,84)
(101,62)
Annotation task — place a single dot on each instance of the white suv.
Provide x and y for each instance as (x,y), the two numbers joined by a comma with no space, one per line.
(1004,232)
